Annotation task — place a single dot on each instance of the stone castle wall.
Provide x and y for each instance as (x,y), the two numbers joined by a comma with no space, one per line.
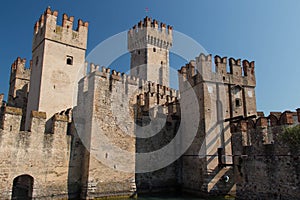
(109,105)
(266,167)
(43,156)
(221,96)
(99,148)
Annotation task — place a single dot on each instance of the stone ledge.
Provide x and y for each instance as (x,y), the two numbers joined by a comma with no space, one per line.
(39,115)
(12,110)
(62,118)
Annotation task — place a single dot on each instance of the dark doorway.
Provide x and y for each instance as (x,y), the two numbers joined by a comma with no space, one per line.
(22,188)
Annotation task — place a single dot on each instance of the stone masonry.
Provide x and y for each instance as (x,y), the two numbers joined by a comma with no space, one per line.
(265,166)
(73,130)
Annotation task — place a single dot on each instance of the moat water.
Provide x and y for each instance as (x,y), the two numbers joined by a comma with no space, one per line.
(182,198)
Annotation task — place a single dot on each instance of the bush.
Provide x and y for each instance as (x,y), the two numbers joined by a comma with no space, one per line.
(291,136)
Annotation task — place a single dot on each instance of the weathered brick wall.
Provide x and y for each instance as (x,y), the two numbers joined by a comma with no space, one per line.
(109,108)
(165,178)
(221,95)
(270,172)
(45,157)
(103,114)
(265,166)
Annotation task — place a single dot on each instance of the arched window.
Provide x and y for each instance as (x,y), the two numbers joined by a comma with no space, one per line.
(69,60)
(22,187)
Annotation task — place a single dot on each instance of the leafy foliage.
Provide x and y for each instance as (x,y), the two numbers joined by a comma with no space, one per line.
(291,136)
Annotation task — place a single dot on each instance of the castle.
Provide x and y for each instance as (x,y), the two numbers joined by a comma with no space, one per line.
(62,114)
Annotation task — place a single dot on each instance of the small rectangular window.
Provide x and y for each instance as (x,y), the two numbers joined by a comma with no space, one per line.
(69,60)
(238,102)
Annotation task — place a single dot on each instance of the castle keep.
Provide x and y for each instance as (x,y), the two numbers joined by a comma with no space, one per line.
(73,130)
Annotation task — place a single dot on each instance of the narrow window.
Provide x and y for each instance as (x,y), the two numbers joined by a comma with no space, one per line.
(37,61)
(238,102)
(154,49)
(69,60)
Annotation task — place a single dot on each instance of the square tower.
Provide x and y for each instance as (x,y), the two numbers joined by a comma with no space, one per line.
(19,86)
(223,97)
(149,44)
(58,54)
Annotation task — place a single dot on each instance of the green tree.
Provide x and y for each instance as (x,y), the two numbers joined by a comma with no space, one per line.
(291,136)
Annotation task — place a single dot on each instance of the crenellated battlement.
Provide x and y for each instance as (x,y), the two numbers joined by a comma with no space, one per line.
(141,85)
(266,154)
(12,119)
(19,69)
(148,22)
(111,74)
(47,28)
(149,32)
(240,72)
(272,120)
(263,130)
(152,98)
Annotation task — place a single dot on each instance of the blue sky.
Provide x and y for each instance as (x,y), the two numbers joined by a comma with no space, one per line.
(264,31)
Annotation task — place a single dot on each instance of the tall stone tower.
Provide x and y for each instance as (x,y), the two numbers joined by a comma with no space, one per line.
(19,86)
(58,53)
(223,97)
(149,44)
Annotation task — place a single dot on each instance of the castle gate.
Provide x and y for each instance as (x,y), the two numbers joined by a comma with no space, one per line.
(22,187)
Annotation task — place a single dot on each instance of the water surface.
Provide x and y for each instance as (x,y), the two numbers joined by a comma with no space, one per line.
(182,198)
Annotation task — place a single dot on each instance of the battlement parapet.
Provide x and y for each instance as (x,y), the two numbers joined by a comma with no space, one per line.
(19,70)
(12,110)
(263,130)
(11,118)
(141,85)
(148,100)
(240,73)
(155,105)
(150,32)
(1,99)
(145,94)
(38,115)
(158,98)
(148,22)
(60,124)
(62,118)
(160,89)
(113,76)
(47,27)
(273,120)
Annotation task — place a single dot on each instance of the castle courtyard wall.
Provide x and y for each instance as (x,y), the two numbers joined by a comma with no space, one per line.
(43,156)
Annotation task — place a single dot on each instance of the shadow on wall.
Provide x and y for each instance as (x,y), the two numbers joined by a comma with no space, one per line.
(164,179)
(75,170)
